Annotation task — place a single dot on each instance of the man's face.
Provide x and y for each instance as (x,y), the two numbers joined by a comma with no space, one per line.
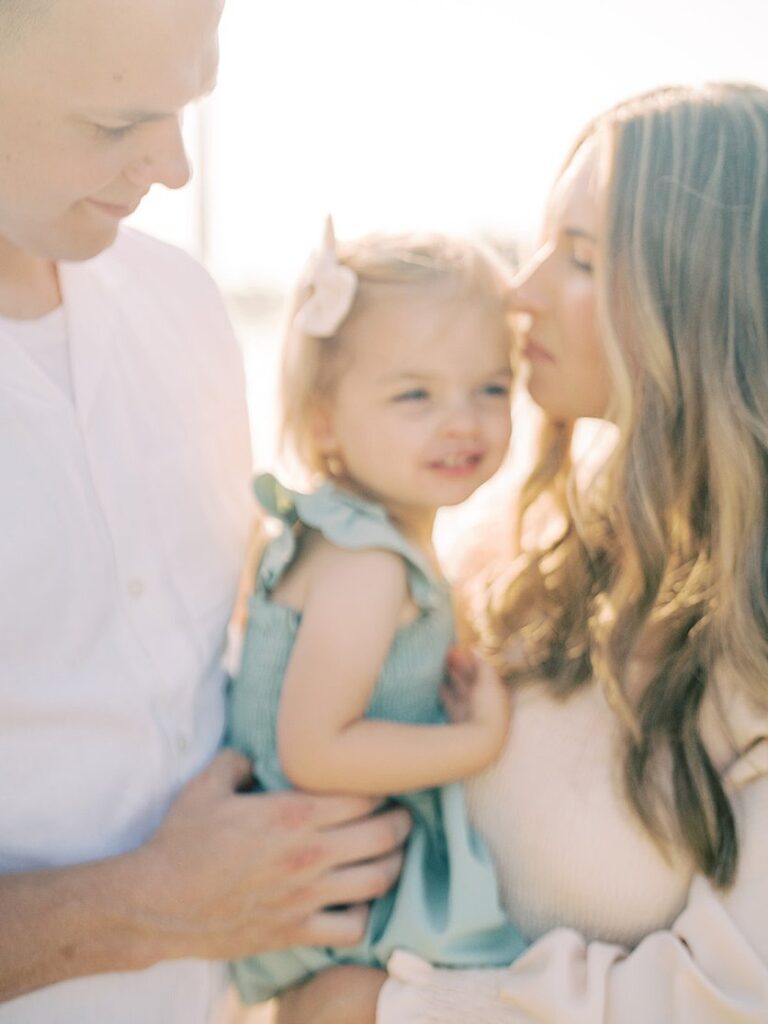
(90,104)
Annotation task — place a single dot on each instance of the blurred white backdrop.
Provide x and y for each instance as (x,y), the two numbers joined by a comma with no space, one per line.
(452,114)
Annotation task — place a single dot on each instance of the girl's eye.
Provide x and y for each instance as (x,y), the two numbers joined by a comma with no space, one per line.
(412,395)
(496,390)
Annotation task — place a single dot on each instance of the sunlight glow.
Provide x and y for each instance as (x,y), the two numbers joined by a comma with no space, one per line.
(449,114)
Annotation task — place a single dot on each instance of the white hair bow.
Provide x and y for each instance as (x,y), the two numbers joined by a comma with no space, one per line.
(332,290)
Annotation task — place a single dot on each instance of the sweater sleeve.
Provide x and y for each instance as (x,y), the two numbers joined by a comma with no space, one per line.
(709,967)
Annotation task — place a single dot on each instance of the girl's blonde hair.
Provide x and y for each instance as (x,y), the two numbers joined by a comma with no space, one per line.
(666,558)
(389,269)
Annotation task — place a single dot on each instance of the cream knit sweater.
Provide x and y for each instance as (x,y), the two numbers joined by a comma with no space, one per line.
(620,933)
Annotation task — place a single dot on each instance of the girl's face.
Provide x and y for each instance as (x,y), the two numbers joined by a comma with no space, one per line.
(555,297)
(421,416)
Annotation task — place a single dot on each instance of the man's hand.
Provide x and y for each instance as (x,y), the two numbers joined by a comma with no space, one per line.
(226,875)
(230,874)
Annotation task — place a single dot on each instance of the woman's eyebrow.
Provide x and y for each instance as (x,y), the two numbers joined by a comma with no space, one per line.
(579,233)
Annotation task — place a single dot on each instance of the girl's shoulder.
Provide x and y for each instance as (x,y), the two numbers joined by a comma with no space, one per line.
(346,526)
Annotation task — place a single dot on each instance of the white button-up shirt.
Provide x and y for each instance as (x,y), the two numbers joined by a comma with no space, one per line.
(123,528)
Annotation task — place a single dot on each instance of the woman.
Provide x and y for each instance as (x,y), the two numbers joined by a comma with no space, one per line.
(633,627)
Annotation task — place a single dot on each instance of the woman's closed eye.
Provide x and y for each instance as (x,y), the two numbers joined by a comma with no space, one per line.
(583,254)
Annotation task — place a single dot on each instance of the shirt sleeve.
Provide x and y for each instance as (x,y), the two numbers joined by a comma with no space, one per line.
(709,967)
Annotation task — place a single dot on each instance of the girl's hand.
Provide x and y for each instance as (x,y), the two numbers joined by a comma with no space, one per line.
(474,694)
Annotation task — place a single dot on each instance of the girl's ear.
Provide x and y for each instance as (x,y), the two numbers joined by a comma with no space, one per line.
(322,426)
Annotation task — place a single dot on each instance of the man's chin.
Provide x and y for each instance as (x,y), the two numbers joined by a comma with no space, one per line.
(80,234)
(85,245)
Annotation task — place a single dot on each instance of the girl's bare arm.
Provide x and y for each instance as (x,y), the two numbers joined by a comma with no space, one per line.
(353,606)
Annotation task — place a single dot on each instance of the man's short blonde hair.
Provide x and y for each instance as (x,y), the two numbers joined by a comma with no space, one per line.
(19,17)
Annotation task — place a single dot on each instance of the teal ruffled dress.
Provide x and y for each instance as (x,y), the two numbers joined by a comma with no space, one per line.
(445,906)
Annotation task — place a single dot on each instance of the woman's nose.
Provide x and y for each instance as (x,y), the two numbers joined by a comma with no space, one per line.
(526,292)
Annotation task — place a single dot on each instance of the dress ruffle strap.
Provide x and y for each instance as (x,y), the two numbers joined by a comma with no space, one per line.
(347,521)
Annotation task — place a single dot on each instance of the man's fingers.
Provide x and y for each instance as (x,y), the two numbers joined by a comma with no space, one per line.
(231,772)
(227,772)
(328,811)
(374,837)
(335,927)
(360,883)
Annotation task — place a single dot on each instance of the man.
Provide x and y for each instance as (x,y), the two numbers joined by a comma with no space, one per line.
(124,463)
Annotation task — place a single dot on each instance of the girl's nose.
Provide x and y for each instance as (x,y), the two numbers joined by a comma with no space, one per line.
(461,419)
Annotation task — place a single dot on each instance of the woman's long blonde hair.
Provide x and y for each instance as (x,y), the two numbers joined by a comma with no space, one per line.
(666,558)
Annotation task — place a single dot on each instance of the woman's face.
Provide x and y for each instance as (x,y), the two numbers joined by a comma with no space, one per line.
(555,296)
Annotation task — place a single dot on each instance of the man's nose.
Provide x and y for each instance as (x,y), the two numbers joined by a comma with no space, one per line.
(164,160)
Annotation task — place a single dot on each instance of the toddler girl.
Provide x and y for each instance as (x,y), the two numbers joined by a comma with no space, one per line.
(396,401)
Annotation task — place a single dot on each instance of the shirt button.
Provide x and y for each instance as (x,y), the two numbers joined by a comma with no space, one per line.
(135,587)
(182,742)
